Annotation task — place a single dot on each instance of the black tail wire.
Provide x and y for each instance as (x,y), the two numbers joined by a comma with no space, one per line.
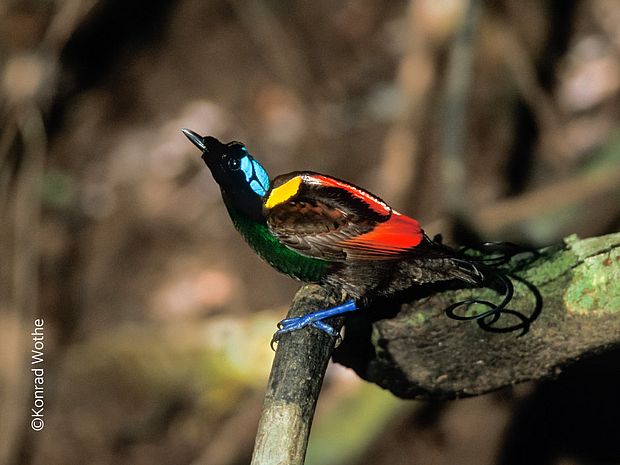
(486,270)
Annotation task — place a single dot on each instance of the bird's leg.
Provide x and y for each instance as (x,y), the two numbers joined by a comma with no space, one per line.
(315,319)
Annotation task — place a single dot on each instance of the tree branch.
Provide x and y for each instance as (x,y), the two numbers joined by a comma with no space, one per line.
(294,383)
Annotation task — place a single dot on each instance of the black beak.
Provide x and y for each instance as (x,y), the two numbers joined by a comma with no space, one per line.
(197,140)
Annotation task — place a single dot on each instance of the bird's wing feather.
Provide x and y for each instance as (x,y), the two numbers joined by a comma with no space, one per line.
(334,220)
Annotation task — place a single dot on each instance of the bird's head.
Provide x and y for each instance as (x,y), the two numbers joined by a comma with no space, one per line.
(241,178)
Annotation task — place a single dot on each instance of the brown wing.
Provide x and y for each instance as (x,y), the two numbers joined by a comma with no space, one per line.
(324,217)
(314,228)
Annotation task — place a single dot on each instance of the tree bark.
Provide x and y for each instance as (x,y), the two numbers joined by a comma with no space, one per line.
(295,382)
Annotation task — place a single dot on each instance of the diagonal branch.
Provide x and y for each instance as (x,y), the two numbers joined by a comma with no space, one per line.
(295,382)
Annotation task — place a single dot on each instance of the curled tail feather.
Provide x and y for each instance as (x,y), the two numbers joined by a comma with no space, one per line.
(481,275)
(484,272)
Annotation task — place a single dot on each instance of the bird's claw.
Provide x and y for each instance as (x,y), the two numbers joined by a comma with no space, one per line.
(285,322)
(292,324)
(315,319)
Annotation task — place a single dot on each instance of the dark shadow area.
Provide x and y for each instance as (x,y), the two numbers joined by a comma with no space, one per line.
(560,28)
(573,419)
(521,158)
(114,30)
(117,27)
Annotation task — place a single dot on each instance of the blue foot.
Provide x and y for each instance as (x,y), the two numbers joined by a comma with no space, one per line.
(314,319)
(326,328)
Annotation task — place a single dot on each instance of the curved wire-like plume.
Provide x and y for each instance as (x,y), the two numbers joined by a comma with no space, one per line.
(485,267)
(489,276)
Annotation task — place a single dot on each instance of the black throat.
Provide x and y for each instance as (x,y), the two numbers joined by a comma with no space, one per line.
(248,204)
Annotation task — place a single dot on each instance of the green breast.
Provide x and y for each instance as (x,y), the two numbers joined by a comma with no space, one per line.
(277,255)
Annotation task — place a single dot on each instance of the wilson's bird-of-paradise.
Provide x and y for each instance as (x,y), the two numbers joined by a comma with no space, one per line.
(316,228)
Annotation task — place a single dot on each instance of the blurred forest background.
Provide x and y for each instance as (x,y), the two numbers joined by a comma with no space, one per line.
(494,120)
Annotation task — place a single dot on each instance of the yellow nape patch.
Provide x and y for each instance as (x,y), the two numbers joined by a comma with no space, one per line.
(284,192)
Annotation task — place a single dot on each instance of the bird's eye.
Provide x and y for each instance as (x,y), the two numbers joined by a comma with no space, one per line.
(234,164)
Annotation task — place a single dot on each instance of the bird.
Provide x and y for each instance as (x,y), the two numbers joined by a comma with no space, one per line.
(320,229)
